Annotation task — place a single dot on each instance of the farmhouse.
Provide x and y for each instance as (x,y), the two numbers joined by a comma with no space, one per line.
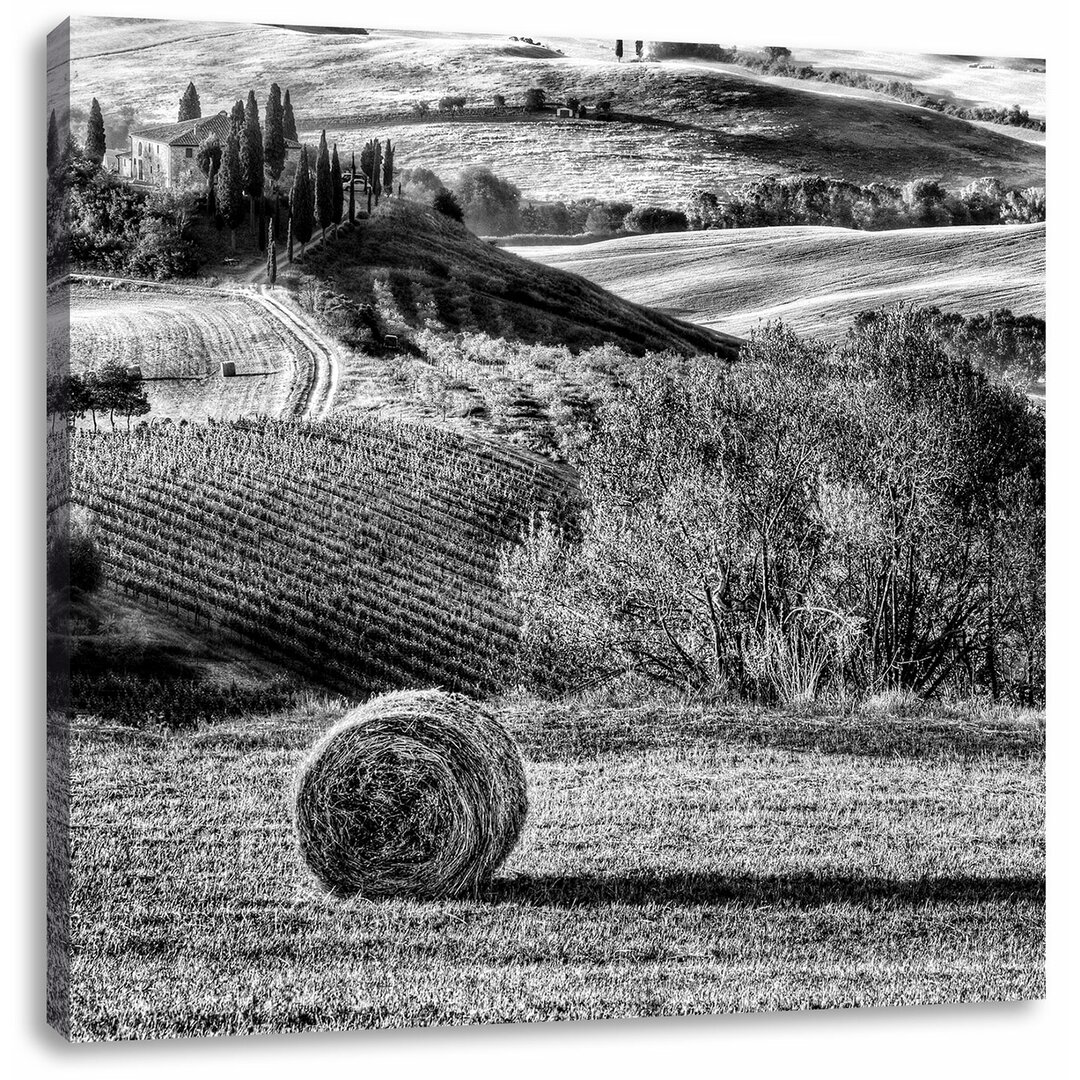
(167,155)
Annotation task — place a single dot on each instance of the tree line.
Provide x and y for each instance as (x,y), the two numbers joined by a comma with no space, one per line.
(818,200)
(114,390)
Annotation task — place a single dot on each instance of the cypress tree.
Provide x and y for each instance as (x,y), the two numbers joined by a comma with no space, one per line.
(290,238)
(639,48)
(324,192)
(52,144)
(352,190)
(237,119)
(230,188)
(618,48)
(95,134)
(301,206)
(271,256)
(337,201)
(190,109)
(388,169)
(376,170)
(274,145)
(251,159)
(288,121)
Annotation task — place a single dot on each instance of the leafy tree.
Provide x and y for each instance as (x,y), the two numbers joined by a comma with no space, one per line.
(499,101)
(190,108)
(534,99)
(618,49)
(447,205)
(573,104)
(95,134)
(274,152)
(388,169)
(301,202)
(337,190)
(230,188)
(777,52)
(288,121)
(421,108)
(117,388)
(490,204)
(324,192)
(52,144)
(208,159)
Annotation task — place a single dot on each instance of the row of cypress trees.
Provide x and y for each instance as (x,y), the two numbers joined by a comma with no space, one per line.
(320,200)
(249,155)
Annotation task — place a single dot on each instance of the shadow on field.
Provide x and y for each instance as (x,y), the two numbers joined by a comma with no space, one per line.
(809,891)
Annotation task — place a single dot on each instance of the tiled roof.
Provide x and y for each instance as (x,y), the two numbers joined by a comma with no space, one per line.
(192,132)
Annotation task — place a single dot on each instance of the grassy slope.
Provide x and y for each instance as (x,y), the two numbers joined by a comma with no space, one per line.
(771,862)
(431,264)
(718,128)
(815,279)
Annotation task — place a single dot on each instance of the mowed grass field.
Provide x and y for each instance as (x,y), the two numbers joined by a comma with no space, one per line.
(178,336)
(814,279)
(769,861)
(708,127)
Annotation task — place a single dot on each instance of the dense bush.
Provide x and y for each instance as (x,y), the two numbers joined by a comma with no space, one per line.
(115,228)
(446,204)
(683,50)
(854,518)
(818,200)
(655,219)
(1007,346)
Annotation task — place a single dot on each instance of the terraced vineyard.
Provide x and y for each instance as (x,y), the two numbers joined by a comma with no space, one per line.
(362,556)
(178,337)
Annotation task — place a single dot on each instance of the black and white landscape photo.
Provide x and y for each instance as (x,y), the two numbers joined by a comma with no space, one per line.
(539,528)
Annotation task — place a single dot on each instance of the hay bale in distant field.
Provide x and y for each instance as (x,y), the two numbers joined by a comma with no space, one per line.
(414,793)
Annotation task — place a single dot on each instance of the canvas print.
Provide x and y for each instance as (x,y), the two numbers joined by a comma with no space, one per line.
(539,528)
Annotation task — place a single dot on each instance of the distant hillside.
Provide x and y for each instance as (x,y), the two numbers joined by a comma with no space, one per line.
(691,127)
(813,278)
(417,268)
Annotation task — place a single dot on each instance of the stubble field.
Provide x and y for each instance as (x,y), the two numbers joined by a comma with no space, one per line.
(815,279)
(179,337)
(773,861)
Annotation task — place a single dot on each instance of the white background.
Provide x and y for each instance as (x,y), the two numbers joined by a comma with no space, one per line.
(1029,1040)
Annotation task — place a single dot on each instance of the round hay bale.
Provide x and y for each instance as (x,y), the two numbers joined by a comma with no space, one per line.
(414,793)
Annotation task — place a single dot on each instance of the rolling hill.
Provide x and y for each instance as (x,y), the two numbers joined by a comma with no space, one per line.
(420,269)
(814,278)
(717,128)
